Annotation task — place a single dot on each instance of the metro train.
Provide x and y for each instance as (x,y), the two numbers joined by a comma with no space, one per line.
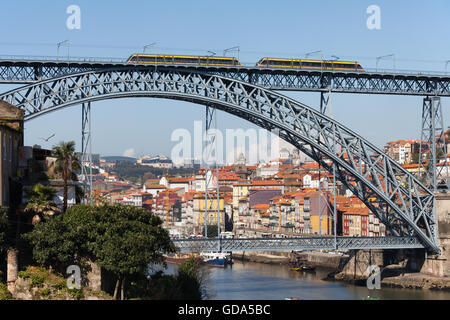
(310,64)
(231,61)
(189,60)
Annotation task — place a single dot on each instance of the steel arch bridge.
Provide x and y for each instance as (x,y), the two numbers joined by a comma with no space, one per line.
(397,198)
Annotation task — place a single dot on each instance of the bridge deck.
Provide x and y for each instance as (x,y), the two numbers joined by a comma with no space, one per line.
(403,82)
(288,244)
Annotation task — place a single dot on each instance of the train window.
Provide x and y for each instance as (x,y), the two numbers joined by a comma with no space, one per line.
(184,60)
(193,60)
(222,61)
(309,64)
(150,59)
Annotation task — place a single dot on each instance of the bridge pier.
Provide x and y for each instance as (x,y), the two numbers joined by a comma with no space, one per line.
(439,265)
(404,261)
(356,266)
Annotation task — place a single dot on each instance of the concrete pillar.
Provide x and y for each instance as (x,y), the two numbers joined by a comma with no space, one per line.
(92,276)
(357,267)
(439,265)
(11,269)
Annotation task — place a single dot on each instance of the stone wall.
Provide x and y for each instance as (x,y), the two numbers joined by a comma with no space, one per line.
(439,265)
(324,260)
(11,269)
(356,266)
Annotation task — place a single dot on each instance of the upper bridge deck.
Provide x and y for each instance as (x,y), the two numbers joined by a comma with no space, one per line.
(24,70)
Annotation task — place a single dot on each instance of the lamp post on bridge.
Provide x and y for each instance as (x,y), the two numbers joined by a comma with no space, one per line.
(335,58)
(314,52)
(387,56)
(237,48)
(59,44)
(446,63)
(148,46)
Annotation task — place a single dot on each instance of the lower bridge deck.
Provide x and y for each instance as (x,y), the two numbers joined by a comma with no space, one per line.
(297,244)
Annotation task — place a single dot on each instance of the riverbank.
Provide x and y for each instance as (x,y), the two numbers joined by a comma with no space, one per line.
(391,276)
(314,258)
(262,257)
(269,281)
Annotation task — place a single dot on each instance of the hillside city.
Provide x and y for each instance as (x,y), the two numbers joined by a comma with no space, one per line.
(281,198)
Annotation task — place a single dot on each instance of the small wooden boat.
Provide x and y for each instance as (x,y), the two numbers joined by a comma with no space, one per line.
(176,258)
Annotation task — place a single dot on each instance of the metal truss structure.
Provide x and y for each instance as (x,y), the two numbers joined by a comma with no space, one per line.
(403,83)
(297,244)
(86,151)
(211,123)
(29,73)
(435,144)
(397,198)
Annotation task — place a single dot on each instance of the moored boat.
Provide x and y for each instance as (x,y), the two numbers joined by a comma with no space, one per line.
(177,258)
(217,259)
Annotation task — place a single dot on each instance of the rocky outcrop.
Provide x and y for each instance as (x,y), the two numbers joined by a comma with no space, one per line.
(37,283)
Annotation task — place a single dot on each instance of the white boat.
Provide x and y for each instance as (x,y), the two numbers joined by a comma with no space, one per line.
(218,259)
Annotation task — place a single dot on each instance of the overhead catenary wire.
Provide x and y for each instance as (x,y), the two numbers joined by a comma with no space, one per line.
(138,47)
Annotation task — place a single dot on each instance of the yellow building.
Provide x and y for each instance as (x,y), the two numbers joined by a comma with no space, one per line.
(326,222)
(240,190)
(211,212)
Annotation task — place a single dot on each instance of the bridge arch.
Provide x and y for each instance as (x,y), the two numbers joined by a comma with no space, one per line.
(398,199)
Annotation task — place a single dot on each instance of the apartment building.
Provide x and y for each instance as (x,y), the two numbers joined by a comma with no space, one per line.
(11,139)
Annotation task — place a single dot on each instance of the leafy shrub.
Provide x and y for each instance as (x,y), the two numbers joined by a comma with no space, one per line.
(4,293)
(37,275)
(45,292)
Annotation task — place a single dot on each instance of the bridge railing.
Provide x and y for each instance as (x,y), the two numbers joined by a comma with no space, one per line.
(61,59)
(65,59)
(303,243)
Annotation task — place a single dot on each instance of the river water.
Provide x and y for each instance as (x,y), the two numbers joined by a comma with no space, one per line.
(256,281)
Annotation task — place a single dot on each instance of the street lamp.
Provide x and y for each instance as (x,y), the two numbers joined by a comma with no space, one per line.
(446,63)
(313,52)
(148,46)
(387,56)
(59,44)
(237,48)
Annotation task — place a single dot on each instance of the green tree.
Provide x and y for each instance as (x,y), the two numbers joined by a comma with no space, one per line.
(66,163)
(192,280)
(124,240)
(40,202)
(128,240)
(54,244)
(189,283)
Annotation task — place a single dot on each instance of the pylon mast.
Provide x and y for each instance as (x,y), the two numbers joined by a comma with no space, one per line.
(167,200)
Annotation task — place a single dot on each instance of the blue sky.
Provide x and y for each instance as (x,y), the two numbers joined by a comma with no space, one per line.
(412,30)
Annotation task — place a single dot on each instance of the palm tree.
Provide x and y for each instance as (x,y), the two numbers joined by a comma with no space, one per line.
(40,202)
(66,162)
